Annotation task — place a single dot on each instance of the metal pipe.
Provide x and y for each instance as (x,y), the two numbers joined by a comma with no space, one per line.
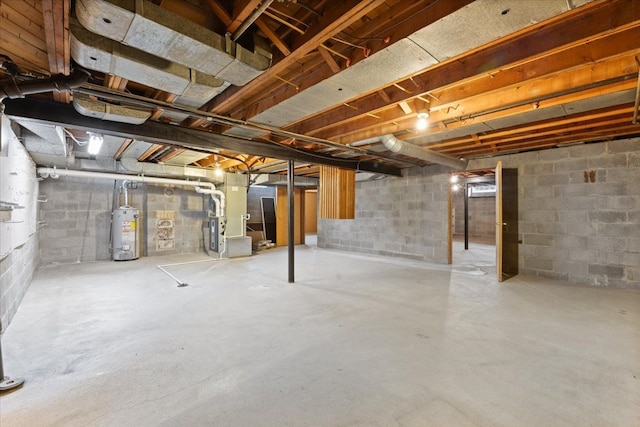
(401,147)
(126,193)
(250,20)
(291,241)
(7,383)
(9,88)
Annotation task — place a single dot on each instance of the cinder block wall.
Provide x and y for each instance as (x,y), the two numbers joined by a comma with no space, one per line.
(404,217)
(482,216)
(78,219)
(573,230)
(587,233)
(16,272)
(189,215)
(19,260)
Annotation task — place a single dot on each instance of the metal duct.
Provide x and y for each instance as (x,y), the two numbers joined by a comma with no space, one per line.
(105,111)
(407,149)
(101,54)
(152,29)
(11,89)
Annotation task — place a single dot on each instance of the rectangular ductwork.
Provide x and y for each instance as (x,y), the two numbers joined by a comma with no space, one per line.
(102,110)
(152,29)
(102,54)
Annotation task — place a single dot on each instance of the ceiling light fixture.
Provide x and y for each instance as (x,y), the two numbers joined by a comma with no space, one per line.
(217,169)
(95,142)
(421,124)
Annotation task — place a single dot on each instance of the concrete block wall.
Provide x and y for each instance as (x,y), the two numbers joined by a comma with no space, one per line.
(78,218)
(189,216)
(586,233)
(583,232)
(482,216)
(19,255)
(16,272)
(403,217)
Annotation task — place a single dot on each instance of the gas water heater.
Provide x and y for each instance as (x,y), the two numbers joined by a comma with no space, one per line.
(125,241)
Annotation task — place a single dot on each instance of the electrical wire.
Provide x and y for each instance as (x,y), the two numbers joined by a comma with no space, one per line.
(80,143)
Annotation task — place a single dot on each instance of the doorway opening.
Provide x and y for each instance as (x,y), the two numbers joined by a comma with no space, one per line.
(501,184)
(472,213)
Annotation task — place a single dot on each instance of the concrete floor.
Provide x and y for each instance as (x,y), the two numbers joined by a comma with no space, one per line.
(357,341)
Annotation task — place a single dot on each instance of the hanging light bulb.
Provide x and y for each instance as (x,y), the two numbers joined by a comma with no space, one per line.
(95,142)
(421,124)
(218,171)
(454,179)
(455,188)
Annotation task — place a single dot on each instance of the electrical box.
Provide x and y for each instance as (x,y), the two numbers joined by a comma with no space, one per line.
(125,232)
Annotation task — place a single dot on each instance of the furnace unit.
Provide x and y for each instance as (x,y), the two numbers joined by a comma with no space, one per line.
(125,241)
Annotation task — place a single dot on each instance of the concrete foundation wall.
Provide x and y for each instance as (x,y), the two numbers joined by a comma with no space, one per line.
(18,228)
(404,217)
(482,216)
(78,219)
(583,232)
(16,272)
(188,208)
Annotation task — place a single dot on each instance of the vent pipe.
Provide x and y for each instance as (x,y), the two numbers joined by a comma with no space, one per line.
(9,88)
(407,149)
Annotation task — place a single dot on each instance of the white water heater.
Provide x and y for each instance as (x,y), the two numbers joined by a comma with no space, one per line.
(125,241)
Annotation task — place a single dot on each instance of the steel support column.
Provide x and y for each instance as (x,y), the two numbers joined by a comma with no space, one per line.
(466,216)
(291,241)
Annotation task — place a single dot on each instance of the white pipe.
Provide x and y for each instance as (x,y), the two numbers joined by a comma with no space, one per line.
(54,173)
(138,178)
(401,147)
(220,207)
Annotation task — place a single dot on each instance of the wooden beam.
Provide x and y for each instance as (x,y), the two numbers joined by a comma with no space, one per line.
(575,32)
(241,11)
(174,152)
(127,142)
(115,82)
(413,14)
(56,25)
(271,35)
(329,59)
(334,21)
(150,152)
(220,12)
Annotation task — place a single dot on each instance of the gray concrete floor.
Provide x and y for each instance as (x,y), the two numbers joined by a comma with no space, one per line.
(357,341)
